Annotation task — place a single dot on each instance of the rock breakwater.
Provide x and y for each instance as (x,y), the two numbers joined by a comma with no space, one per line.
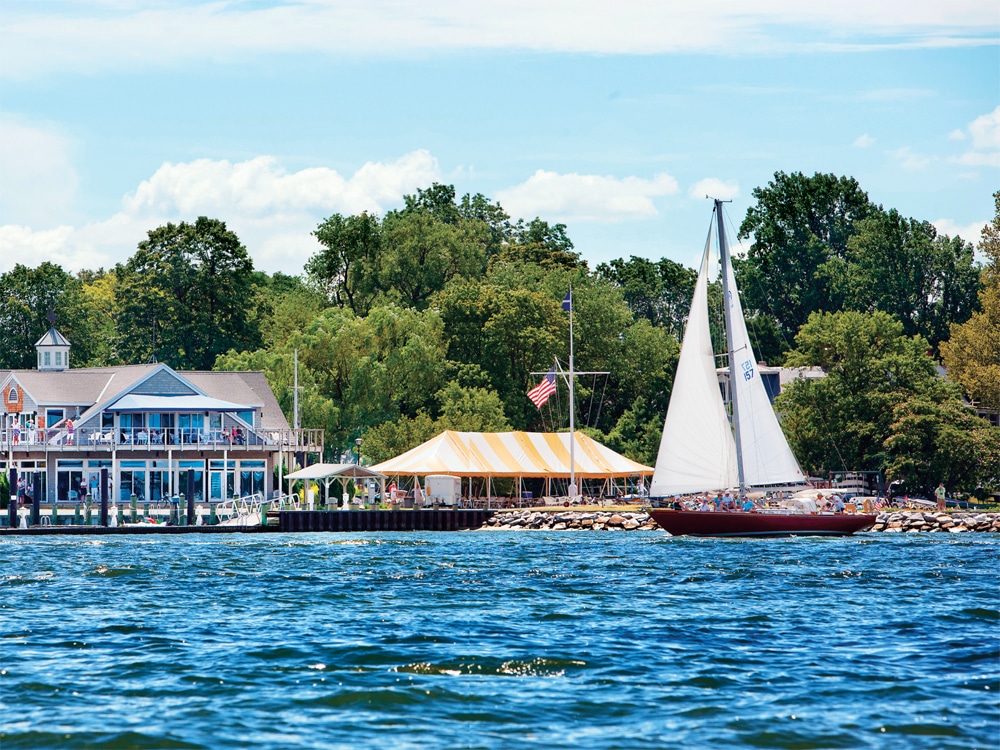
(930,522)
(575,520)
(890,522)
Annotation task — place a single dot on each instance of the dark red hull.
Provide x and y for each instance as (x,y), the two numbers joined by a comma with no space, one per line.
(699,523)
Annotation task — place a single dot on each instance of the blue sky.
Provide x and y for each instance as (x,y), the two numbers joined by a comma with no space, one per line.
(614,119)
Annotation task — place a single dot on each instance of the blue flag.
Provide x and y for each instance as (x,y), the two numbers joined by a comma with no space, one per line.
(567,303)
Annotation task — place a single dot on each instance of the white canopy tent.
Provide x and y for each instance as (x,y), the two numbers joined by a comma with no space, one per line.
(327,473)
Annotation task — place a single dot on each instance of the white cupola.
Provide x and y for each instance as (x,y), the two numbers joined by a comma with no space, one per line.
(53,351)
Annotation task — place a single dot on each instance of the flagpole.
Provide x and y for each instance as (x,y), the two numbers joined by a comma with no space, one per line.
(572,404)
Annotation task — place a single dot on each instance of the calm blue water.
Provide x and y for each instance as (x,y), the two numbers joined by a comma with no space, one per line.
(500,640)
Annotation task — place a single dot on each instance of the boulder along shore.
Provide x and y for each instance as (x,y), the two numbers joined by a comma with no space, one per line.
(891,522)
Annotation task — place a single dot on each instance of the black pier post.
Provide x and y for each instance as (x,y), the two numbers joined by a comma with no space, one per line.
(105,492)
(190,497)
(36,499)
(12,508)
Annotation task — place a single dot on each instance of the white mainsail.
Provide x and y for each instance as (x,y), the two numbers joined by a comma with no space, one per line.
(766,457)
(697,450)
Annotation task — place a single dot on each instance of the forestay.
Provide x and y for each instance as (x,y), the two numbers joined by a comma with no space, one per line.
(767,459)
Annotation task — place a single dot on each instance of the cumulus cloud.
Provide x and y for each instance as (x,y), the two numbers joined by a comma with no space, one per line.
(968,232)
(909,160)
(271,210)
(714,188)
(984,132)
(68,35)
(864,141)
(39,181)
(583,197)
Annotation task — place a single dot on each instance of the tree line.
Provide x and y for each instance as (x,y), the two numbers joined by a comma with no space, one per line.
(440,315)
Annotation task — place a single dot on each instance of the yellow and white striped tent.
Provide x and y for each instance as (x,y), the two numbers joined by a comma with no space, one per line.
(511,454)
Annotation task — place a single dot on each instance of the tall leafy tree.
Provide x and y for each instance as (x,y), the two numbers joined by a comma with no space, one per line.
(972,354)
(26,297)
(903,267)
(881,406)
(799,224)
(346,268)
(186,296)
(658,291)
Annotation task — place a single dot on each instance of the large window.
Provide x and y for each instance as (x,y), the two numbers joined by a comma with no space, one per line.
(218,476)
(251,478)
(133,481)
(198,467)
(69,481)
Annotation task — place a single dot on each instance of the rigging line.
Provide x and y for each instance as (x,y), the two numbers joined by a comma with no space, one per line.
(590,405)
(767,300)
(601,402)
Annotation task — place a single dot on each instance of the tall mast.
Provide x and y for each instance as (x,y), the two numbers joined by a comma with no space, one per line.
(727,295)
(295,408)
(572,403)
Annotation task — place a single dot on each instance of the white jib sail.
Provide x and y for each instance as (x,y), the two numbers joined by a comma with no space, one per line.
(697,450)
(767,459)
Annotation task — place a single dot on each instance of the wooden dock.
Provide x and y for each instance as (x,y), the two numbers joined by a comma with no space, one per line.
(286,521)
(381,520)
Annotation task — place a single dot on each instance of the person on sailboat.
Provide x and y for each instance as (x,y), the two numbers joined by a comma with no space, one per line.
(728,503)
(748,505)
(704,505)
(838,503)
(718,501)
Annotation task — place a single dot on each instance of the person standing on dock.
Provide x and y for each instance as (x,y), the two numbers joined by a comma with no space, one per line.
(940,492)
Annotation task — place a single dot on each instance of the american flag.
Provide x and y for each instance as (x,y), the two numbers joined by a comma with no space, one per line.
(541,392)
(879,503)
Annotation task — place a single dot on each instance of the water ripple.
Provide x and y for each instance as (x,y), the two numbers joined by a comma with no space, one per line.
(499,641)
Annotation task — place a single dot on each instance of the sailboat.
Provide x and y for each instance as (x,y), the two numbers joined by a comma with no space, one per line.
(701,450)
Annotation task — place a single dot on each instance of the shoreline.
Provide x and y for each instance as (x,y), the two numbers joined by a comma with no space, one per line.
(886,522)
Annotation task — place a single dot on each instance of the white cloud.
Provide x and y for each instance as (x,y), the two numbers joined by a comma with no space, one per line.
(711,187)
(272,211)
(864,141)
(985,134)
(73,36)
(38,180)
(956,135)
(968,232)
(584,197)
(909,160)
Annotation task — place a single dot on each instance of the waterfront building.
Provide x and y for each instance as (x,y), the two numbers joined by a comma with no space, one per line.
(148,425)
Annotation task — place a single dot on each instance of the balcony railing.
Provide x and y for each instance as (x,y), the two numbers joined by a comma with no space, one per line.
(154,440)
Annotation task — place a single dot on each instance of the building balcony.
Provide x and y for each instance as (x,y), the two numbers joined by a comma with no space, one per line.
(143,440)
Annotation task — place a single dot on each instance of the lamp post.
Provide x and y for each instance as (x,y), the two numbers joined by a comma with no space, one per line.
(357,443)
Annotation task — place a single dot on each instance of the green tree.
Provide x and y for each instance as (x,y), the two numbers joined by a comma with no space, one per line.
(536,242)
(461,409)
(881,405)
(346,268)
(799,224)
(421,254)
(27,295)
(186,296)
(903,267)
(373,369)
(660,292)
(972,354)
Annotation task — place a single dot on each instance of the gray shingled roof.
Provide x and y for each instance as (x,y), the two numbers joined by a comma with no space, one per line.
(92,388)
(241,388)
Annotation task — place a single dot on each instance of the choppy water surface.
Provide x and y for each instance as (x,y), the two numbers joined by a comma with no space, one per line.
(500,640)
